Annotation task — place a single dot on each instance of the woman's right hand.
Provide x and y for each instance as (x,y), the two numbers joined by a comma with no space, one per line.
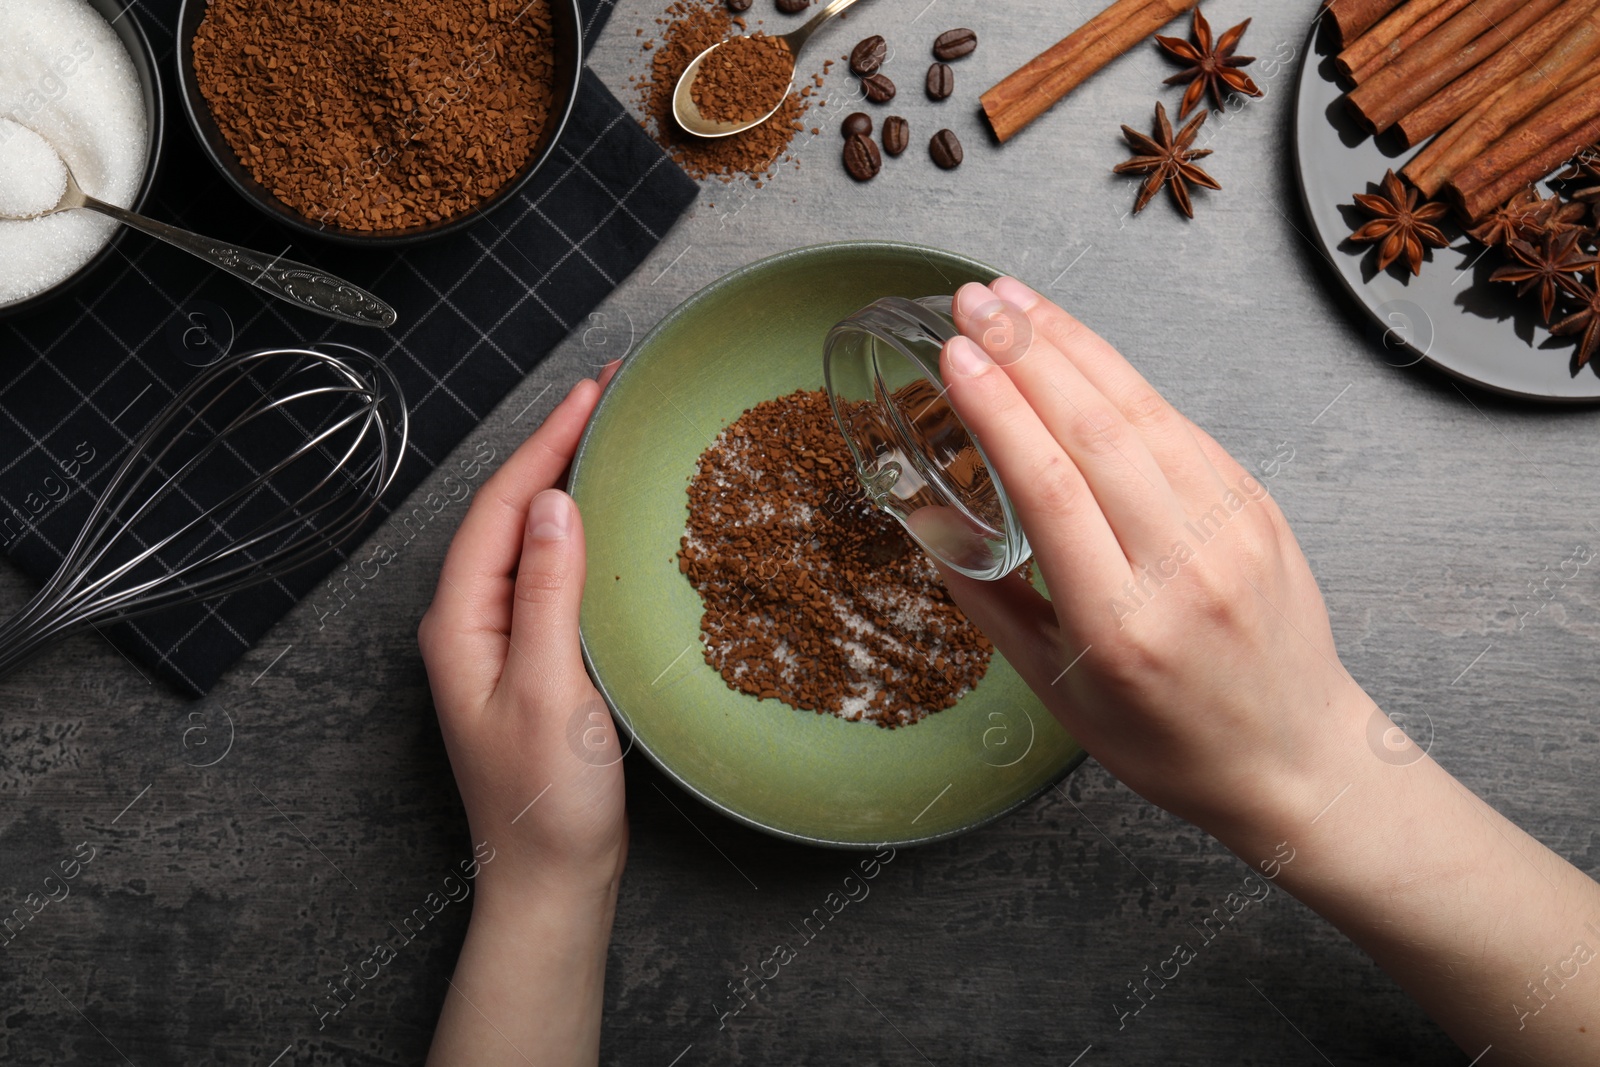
(1186,645)
(1185,642)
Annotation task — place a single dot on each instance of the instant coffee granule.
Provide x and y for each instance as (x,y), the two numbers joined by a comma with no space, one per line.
(689,27)
(813,596)
(740,81)
(375,115)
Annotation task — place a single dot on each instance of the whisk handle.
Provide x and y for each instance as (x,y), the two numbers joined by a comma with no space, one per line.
(297,283)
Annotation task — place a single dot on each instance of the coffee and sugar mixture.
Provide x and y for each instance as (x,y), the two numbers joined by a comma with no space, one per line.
(813,596)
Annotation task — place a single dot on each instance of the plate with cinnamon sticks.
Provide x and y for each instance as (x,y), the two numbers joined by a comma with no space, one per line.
(1448,153)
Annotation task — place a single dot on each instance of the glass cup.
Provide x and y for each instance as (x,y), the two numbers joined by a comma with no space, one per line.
(914,457)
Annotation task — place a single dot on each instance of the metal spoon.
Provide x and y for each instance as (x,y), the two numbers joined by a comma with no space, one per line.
(687,112)
(299,284)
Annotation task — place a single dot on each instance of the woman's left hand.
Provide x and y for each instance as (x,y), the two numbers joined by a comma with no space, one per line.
(531,742)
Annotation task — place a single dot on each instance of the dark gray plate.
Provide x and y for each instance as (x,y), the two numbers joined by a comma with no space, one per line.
(1451,315)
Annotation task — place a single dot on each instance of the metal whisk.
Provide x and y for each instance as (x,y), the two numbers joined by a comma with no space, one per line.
(263,463)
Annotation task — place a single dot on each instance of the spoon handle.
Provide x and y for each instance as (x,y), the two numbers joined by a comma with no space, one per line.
(297,283)
(797,39)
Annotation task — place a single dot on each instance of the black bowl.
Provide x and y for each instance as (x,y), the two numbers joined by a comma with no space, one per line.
(126,24)
(568,68)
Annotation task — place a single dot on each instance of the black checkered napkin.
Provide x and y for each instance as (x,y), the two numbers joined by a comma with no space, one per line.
(81,378)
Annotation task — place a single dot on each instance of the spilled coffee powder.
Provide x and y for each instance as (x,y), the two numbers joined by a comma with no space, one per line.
(374,115)
(740,81)
(813,596)
(689,27)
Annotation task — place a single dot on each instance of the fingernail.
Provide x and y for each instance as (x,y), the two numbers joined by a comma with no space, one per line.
(550,517)
(971,298)
(1014,292)
(966,358)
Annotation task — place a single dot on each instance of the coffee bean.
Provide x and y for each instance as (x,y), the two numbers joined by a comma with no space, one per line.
(953,44)
(737,6)
(945,149)
(941,81)
(793,7)
(880,90)
(861,158)
(867,56)
(856,122)
(896,134)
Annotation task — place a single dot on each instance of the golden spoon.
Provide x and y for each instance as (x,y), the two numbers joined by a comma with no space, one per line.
(687,112)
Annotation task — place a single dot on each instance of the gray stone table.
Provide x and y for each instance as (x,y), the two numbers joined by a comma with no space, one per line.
(220,900)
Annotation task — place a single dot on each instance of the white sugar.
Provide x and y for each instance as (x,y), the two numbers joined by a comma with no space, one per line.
(32,178)
(65,75)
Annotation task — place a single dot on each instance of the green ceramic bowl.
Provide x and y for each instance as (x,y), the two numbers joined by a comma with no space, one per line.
(751,336)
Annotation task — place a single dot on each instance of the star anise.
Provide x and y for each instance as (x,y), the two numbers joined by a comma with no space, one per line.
(1583,177)
(1167,160)
(1215,68)
(1554,215)
(1547,266)
(1585,320)
(1400,223)
(1511,220)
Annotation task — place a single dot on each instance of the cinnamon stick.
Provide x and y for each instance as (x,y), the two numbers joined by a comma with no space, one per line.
(1424,160)
(1473,35)
(1031,90)
(1352,18)
(1567,61)
(1416,33)
(1030,72)
(1473,205)
(1465,93)
(1539,144)
(1399,30)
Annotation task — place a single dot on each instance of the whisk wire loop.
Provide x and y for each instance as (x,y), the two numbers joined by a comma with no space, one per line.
(184,516)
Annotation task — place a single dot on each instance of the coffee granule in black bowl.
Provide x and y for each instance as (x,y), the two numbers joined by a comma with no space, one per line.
(371,116)
(813,596)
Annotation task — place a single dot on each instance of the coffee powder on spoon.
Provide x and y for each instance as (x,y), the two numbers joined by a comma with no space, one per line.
(689,27)
(743,79)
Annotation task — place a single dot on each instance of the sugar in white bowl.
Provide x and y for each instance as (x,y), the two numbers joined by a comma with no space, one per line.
(65,75)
